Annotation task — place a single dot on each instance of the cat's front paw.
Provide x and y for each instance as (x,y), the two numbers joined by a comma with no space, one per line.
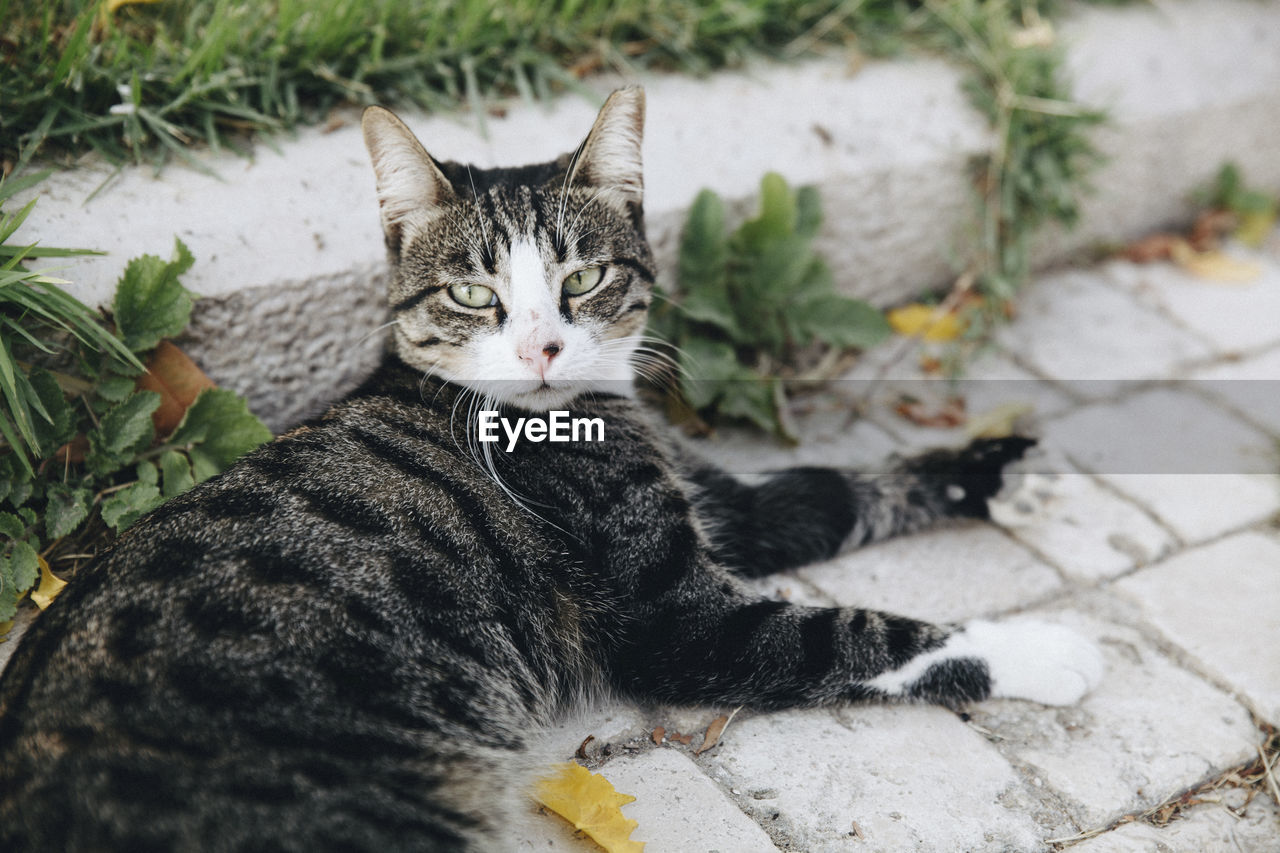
(1040,661)
(969,477)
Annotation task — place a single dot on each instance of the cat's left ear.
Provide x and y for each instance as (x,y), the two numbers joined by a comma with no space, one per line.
(409,181)
(610,157)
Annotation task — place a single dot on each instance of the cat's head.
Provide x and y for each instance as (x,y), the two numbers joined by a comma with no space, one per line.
(529,284)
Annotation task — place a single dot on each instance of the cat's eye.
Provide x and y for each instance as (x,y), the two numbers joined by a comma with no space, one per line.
(583,281)
(473,295)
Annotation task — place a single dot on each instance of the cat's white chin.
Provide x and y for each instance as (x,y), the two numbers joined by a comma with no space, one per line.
(542,397)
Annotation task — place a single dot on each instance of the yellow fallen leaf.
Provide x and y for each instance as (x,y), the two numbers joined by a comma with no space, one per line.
(5,628)
(589,802)
(50,586)
(1215,265)
(1255,226)
(997,422)
(927,321)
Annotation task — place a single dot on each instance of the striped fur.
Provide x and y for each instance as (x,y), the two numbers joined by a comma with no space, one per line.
(346,640)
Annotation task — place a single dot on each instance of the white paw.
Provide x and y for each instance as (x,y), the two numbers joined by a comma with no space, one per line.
(1039,661)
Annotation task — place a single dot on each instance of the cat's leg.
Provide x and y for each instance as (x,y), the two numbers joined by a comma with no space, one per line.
(801,515)
(715,646)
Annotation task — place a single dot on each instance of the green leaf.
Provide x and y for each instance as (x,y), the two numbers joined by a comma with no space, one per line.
(115,388)
(808,212)
(150,302)
(842,322)
(177,473)
(8,589)
(124,431)
(219,429)
(147,473)
(11,526)
(24,566)
(777,218)
(704,258)
(59,426)
(66,509)
(128,505)
(20,484)
(753,401)
(708,366)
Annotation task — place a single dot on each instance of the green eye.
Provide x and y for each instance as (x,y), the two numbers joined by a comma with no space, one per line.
(583,281)
(473,295)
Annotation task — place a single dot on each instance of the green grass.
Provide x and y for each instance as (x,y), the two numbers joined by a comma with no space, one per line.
(145,80)
(142,81)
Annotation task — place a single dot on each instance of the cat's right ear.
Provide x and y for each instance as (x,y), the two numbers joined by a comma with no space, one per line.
(409,181)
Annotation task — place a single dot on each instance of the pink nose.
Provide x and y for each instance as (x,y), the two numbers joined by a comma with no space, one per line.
(541,359)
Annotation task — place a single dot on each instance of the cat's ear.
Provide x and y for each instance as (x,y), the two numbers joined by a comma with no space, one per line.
(610,157)
(409,181)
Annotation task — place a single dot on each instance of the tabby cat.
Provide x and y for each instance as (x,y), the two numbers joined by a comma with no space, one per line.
(346,640)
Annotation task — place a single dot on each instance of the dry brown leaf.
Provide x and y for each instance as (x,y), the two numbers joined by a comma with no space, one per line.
(589,802)
(950,414)
(658,735)
(677,737)
(1156,247)
(1210,227)
(177,380)
(712,737)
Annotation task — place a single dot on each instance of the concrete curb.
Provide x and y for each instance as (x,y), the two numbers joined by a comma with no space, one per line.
(289,253)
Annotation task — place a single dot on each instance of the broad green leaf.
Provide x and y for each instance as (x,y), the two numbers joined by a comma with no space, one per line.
(124,431)
(8,589)
(116,388)
(777,218)
(147,473)
(24,565)
(842,322)
(20,483)
(66,508)
(128,505)
(177,473)
(150,302)
(754,401)
(808,212)
(11,526)
(219,429)
(704,257)
(707,367)
(59,426)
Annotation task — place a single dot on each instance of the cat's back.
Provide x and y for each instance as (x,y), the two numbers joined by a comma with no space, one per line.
(311,624)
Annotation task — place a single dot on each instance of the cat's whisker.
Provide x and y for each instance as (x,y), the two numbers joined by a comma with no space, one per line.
(377,329)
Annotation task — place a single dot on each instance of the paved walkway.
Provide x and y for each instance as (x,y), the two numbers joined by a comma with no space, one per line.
(1176,575)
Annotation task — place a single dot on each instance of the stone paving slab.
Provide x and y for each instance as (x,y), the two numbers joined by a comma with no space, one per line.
(1083,528)
(1199,507)
(874,779)
(1221,603)
(1079,325)
(1150,730)
(1251,386)
(1232,316)
(944,575)
(1165,430)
